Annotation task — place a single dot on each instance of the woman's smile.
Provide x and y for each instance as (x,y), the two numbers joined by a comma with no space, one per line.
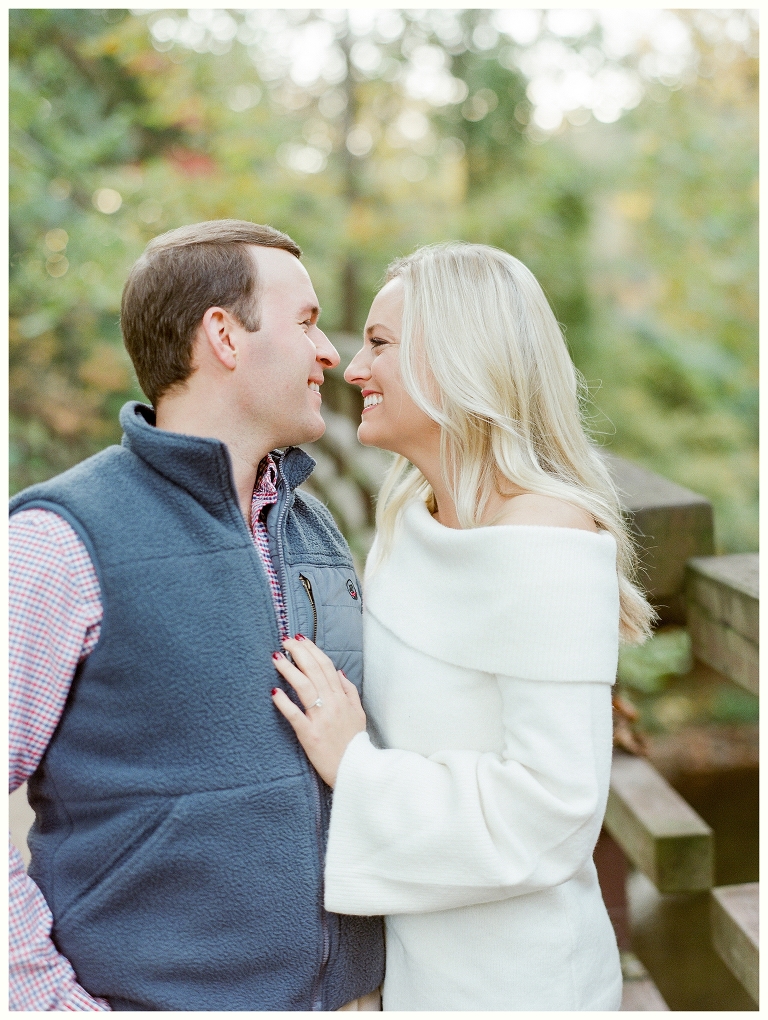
(370,399)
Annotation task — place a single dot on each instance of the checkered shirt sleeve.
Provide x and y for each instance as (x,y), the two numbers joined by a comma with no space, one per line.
(54,621)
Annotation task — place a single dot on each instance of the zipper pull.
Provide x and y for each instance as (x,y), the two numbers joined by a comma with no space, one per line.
(307,584)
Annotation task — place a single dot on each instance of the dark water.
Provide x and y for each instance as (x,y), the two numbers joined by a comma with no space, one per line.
(671,934)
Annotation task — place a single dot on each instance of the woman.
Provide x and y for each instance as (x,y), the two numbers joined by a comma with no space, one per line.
(496,591)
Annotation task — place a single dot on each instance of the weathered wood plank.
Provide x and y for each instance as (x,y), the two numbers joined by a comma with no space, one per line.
(642,997)
(657,830)
(671,524)
(639,993)
(724,649)
(735,932)
(723,610)
(727,588)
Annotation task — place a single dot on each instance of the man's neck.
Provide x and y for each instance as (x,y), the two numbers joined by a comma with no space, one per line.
(247,450)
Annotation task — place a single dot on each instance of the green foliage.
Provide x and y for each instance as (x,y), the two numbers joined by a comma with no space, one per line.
(649,667)
(733,705)
(642,232)
(670,691)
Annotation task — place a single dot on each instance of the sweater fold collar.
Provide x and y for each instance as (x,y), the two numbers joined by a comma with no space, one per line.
(539,603)
(201,466)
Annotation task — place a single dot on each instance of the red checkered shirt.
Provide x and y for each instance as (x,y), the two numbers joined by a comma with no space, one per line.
(54,623)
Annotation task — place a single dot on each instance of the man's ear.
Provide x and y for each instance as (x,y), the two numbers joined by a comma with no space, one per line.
(215,330)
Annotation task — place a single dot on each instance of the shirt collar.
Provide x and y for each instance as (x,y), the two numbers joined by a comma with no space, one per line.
(265,490)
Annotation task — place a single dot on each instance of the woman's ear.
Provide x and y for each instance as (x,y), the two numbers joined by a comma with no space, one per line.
(217,327)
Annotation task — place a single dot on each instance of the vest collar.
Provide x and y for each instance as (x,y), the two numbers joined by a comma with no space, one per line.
(201,466)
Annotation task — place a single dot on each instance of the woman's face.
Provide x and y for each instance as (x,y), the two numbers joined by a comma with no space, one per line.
(390,419)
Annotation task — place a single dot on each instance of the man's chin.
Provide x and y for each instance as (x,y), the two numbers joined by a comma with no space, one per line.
(310,434)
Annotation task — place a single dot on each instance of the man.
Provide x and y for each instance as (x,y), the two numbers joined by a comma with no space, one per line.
(177,852)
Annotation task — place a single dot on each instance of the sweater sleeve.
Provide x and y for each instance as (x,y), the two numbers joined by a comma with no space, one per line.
(412,834)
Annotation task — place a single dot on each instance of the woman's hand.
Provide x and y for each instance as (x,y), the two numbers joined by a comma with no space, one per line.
(333,713)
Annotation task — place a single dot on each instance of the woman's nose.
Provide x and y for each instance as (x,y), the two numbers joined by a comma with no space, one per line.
(358,370)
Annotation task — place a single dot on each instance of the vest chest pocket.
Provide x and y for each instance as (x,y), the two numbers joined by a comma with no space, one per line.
(330,602)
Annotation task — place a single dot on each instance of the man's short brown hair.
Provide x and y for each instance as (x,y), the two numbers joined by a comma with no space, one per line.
(179,277)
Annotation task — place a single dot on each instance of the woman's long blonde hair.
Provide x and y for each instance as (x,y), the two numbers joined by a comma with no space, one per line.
(482,354)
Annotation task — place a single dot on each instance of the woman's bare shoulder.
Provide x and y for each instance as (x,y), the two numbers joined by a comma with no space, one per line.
(546,511)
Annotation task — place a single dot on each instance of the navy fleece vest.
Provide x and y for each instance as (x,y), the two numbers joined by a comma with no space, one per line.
(179,829)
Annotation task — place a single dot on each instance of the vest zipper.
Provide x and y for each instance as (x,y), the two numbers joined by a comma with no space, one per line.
(308,589)
(317,991)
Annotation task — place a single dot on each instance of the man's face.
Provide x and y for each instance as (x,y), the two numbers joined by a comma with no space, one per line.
(280,367)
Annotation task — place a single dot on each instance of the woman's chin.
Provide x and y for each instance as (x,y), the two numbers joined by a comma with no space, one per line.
(364,435)
(367,436)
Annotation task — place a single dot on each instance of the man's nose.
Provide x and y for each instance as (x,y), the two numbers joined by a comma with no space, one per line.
(327,354)
(358,370)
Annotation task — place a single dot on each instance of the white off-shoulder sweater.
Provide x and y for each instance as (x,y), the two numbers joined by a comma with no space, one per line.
(489,659)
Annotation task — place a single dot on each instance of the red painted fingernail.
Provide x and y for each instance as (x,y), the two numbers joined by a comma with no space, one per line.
(277,655)
(274,691)
(299,637)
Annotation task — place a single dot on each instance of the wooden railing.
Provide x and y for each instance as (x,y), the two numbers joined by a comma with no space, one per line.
(717,597)
(723,615)
(723,610)
(658,831)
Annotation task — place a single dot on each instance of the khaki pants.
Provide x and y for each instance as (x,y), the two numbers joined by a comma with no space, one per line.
(371,1001)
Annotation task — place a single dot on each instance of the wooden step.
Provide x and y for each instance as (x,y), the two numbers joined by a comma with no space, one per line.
(671,524)
(639,993)
(723,615)
(657,830)
(735,934)
(641,997)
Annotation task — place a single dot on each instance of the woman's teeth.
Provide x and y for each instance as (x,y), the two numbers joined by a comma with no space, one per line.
(314,386)
(372,399)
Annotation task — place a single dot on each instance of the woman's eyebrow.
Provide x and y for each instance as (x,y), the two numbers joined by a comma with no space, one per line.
(375,327)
